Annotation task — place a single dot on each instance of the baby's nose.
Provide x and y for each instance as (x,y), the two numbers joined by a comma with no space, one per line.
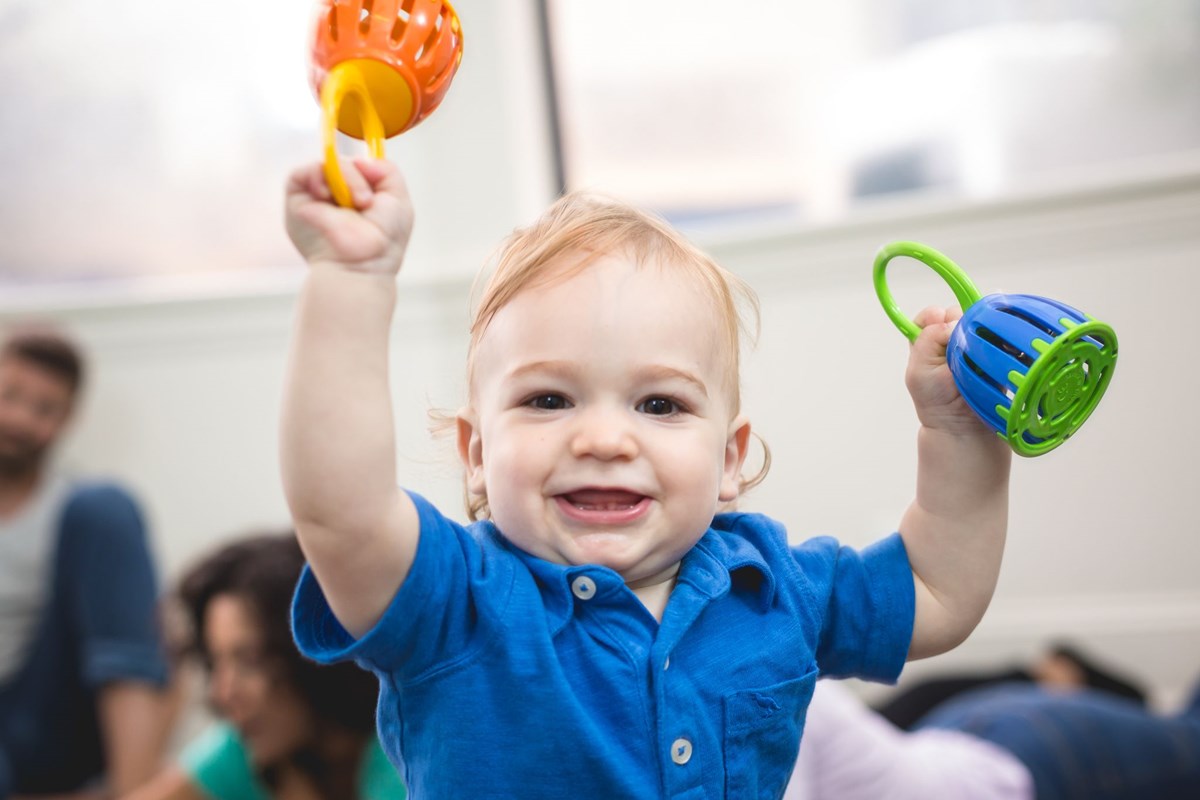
(606,435)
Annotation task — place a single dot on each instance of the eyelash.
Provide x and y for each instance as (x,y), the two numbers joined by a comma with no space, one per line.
(535,400)
(677,407)
(539,403)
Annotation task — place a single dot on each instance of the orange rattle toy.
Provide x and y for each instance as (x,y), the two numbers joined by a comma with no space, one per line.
(379,67)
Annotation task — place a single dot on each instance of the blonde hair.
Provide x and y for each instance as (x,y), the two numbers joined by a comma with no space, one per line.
(587,226)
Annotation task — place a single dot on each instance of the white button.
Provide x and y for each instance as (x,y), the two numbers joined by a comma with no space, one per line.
(583,587)
(681,751)
(667,664)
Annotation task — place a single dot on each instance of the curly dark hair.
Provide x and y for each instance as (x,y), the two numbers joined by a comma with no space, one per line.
(262,570)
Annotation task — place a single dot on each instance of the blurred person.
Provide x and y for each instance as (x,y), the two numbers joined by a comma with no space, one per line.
(1014,741)
(1062,665)
(287,728)
(81,663)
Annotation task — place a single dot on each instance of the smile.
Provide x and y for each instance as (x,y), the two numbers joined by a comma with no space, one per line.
(603,506)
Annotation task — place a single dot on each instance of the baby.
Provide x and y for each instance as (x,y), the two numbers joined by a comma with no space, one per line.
(602,629)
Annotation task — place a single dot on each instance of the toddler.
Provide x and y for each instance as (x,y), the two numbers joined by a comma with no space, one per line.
(602,629)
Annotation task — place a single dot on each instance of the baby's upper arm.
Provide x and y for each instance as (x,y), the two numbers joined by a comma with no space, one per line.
(453,600)
(935,628)
(360,572)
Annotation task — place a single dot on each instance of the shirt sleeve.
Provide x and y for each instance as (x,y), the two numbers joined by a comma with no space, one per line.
(448,607)
(103,549)
(218,764)
(868,620)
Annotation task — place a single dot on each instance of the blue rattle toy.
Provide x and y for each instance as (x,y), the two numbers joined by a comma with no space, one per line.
(1032,368)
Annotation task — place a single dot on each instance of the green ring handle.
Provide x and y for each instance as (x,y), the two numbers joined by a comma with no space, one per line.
(963,288)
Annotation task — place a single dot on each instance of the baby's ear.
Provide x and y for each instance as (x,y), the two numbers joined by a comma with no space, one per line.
(470,450)
(736,447)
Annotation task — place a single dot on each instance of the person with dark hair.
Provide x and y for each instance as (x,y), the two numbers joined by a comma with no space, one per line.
(81,662)
(288,728)
(1061,666)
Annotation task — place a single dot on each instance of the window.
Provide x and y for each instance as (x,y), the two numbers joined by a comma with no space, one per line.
(148,138)
(803,111)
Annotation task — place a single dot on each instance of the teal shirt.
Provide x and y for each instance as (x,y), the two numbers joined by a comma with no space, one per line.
(219,765)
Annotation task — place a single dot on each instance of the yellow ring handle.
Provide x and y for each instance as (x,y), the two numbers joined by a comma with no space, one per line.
(346,80)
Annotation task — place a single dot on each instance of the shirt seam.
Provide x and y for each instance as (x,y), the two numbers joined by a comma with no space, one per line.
(500,625)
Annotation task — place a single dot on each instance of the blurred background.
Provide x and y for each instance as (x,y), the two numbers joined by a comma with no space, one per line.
(1048,147)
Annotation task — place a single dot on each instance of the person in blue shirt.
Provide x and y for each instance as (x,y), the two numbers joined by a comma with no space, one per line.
(82,668)
(602,627)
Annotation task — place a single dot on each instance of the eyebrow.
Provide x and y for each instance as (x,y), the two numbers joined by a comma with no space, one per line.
(663,372)
(564,369)
(568,369)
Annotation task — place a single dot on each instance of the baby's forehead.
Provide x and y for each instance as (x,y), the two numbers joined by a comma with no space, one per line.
(577,290)
(657,300)
(673,277)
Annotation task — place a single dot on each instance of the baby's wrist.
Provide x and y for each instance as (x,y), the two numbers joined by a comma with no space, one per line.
(376,268)
(964,446)
(967,431)
(362,289)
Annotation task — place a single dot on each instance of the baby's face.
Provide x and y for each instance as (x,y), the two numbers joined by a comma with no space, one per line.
(603,429)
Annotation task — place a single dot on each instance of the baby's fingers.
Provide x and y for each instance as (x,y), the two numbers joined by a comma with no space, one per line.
(362,190)
(313,181)
(936,315)
(936,325)
(384,177)
(309,181)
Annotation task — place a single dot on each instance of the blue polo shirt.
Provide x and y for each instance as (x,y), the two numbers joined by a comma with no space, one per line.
(503,675)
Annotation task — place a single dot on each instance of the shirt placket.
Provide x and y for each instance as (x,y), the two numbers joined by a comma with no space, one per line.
(682,753)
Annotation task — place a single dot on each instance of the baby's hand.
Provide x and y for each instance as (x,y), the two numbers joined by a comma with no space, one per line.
(371,237)
(939,404)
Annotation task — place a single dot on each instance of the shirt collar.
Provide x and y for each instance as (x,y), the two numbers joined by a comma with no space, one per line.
(554,580)
(733,561)
(719,563)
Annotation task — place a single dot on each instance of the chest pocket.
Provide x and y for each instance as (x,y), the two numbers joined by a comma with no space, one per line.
(762,737)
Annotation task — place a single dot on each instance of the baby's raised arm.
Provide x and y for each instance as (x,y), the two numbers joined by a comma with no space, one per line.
(955,528)
(357,528)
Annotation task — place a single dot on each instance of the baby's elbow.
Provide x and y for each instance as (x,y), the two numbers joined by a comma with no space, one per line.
(934,634)
(927,646)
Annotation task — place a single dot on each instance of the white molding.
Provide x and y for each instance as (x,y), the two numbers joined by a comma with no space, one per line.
(212,314)
(1155,213)
(1156,206)
(1119,614)
(1156,210)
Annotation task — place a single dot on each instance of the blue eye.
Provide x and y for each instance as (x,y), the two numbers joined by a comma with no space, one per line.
(548,402)
(658,406)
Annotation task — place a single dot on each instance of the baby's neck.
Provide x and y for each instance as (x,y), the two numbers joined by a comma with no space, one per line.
(654,592)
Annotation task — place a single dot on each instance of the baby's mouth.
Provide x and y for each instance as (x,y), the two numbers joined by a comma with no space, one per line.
(603,499)
(603,507)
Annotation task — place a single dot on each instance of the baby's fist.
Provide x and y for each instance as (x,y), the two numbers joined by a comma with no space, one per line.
(938,402)
(371,237)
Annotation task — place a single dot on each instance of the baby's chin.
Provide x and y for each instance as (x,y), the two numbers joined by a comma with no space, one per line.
(606,549)
(627,557)
(610,549)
